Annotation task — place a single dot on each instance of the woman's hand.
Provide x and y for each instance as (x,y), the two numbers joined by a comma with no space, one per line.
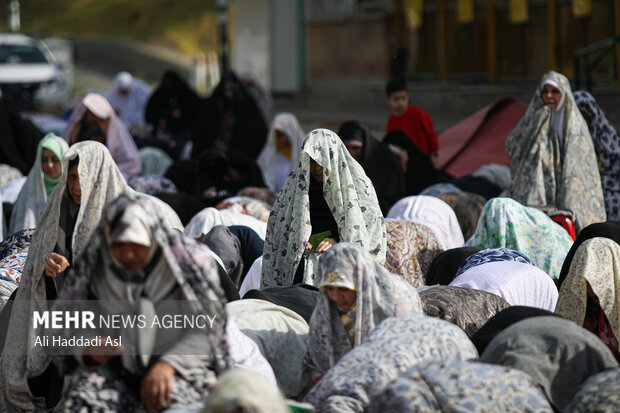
(326,244)
(101,354)
(156,387)
(55,264)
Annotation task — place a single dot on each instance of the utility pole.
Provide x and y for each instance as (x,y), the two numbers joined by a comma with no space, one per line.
(14,19)
(222,20)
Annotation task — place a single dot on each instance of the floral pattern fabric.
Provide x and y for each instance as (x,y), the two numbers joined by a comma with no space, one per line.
(607,147)
(349,194)
(504,223)
(13,253)
(597,263)
(385,353)
(546,172)
(460,386)
(411,248)
(465,307)
(8,174)
(379,295)
(16,243)
(104,389)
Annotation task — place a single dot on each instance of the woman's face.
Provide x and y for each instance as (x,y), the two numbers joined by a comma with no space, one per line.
(316,171)
(355,151)
(282,139)
(344,298)
(133,256)
(73,184)
(50,164)
(551,95)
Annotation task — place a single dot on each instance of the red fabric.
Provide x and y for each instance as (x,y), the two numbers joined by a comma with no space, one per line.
(418,125)
(601,328)
(479,139)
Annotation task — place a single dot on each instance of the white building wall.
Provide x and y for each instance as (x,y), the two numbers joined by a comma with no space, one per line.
(251,50)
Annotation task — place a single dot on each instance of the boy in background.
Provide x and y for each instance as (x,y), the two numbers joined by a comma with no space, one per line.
(412,120)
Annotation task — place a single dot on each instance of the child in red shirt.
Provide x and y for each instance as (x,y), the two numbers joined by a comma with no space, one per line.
(412,120)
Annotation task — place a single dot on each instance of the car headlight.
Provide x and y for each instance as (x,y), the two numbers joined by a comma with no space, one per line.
(52,86)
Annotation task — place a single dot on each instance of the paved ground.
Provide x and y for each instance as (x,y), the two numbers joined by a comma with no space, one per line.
(327,103)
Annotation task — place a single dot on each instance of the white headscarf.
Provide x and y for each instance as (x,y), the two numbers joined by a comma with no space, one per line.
(206,219)
(432,212)
(131,106)
(516,282)
(275,166)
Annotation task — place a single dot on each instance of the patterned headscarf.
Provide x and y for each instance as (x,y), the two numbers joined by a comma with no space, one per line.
(492,255)
(607,146)
(598,394)
(504,223)
(33,195)
(392,347)
(411,249)
(350,196)
(379,295)
(596,262)
(554,172)
(460,386)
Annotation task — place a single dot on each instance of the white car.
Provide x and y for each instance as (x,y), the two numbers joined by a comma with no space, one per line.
(28,66)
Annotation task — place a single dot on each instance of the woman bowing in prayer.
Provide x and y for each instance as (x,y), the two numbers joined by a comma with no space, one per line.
(356,295)
(133,259)
(329,196)
(552,158)
(94,116)
(42,179)
(589,295)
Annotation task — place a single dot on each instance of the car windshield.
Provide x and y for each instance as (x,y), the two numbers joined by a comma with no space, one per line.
(20,54)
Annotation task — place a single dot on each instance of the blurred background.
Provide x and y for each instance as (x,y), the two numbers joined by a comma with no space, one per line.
(328,60)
